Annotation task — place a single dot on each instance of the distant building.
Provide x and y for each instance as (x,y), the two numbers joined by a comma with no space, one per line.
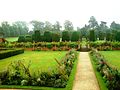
(2,40)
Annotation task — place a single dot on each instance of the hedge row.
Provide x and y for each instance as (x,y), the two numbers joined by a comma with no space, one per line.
(47,45)
(21,74)
(10,52)
(110,75)
(105,45)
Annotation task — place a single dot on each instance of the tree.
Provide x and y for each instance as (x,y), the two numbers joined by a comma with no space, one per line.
(56,27)
(75,36)
(21,27)
(84,32)
(101,35)
(108,36)
(68,25)
(114,26)
(5,28)
(117,36)
(65,36)
(55,37)
(47,36)
(48,26)
(36,36)
(93,24)
(92,35)
(37,25)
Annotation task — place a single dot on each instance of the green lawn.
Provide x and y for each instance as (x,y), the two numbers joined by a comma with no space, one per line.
(42,60)
(52,54)
(12,39)
(112,57)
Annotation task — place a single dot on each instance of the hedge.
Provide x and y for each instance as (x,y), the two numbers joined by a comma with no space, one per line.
(10,52)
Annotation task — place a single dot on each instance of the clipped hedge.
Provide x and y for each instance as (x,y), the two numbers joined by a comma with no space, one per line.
(111,76)
(10,52)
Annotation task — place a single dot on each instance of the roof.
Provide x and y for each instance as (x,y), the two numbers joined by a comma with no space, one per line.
(2,40)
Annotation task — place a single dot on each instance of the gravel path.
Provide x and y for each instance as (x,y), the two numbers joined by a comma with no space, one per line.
(85,78)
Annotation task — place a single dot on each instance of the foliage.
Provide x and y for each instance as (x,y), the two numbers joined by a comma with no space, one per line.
(75,36)
(36,36)
(47,36)
(10,52)
(55,37)
(65,36)
(19,74)
(28,38)
(110,75)
(68,25)
(21,39)
(105,45)
(117,36)
(92,35)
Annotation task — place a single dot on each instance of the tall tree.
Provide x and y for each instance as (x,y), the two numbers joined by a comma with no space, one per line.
(92,35)
(47,36)
(68,25)
(21,27)
(6,28)
(114,26)
(75,36)
(93,24)
(65,36)
(48,26)
(56,27)
(37,25)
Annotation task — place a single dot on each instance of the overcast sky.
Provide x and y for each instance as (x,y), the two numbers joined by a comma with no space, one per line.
(77,11)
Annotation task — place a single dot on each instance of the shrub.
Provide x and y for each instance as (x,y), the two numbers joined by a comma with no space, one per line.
(11,52)
(117,36)
(47,36)
(21,39)
(75,36)
(110,75)
(19,74)
(65,36)
(92,35)
(55,37)
(49,45)
(36,36)
(28,38)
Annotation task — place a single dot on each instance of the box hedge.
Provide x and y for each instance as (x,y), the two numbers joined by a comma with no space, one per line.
(10,52)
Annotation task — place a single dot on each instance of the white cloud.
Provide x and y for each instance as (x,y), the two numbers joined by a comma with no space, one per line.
(78,11)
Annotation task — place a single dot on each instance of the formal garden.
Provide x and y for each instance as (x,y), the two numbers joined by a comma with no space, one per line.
(47,58)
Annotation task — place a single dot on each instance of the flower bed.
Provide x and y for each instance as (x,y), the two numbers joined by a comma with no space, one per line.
(44,46)
(19,74)
(110,75)
(105,46)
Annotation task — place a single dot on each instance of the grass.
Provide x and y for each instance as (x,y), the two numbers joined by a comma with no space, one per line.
(40,60)
(12,39)
(112,57)
(68,87)
(101,83)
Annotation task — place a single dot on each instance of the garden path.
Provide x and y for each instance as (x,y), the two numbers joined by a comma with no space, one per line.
(85,78)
